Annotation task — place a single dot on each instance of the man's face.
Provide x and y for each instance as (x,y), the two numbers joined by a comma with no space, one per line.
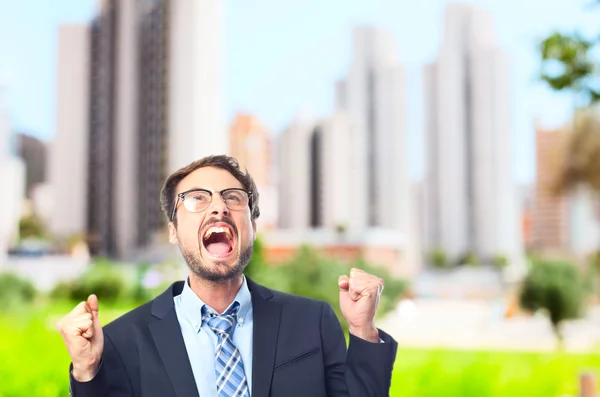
(216,242)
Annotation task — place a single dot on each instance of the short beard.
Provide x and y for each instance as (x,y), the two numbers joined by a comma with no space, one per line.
(197,267)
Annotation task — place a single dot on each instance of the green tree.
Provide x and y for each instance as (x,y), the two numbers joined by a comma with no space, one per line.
(555,288)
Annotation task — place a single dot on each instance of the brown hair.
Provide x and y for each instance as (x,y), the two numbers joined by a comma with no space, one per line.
(228,163)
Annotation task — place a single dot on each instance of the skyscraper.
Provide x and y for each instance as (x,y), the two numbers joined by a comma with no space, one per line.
(154,106)
(372,96)
(68,157)
(294,166)
(315,183)
(196,126)
(470,192)
(349,171)
(12,179)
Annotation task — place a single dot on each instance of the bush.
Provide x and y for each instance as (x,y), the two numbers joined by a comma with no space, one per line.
(257,264)
(439,259)
(468,259)
(15,291)
(500,261)
(556,288)
(314,276)
(102,279)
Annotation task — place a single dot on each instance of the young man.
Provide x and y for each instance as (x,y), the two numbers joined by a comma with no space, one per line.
(183,342)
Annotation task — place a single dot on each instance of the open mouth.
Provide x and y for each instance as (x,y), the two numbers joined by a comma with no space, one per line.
(218,240)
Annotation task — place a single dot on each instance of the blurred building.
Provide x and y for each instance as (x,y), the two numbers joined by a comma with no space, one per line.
(315,177)
(566,223)
(373,97)
(68,152)
(152,104)
(343,179)
(12,180)
(471,195)
(550,211)
(584,222)
(294,184)
(33,152)
(250,144)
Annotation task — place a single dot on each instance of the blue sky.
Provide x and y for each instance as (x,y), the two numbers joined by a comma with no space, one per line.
(282,57)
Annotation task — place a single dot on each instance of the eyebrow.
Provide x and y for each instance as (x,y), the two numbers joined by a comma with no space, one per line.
(208,190)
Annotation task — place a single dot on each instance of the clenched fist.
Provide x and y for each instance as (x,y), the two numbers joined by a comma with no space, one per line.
(359,298)
(82,333)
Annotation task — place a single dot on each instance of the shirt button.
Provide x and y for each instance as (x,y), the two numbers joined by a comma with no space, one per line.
(240,320)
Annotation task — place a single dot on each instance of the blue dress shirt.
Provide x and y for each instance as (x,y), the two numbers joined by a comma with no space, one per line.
(200,340)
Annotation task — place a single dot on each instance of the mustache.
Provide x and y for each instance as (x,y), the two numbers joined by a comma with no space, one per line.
(212,221)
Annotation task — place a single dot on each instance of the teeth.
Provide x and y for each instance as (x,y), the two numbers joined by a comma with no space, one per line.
(212,230)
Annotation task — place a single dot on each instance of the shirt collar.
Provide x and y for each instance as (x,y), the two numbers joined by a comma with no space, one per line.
(192,304)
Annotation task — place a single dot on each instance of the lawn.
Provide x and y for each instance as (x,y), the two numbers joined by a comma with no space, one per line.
(34,363)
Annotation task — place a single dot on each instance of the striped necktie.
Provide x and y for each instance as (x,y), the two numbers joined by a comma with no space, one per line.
(229,368)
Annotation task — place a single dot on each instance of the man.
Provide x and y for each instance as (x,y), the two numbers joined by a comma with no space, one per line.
(183,342)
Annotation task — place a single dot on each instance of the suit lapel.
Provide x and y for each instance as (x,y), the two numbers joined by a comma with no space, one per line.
(266,313)
(167,336)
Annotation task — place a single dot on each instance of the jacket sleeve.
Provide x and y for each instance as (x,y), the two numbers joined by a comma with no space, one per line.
(364,370)
(111,380)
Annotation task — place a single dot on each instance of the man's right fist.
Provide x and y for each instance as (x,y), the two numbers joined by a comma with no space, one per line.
(83,336)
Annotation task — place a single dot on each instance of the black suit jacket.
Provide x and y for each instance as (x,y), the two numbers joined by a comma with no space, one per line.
(299,350)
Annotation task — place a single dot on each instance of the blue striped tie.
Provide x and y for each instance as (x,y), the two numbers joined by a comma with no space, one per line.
(229,368)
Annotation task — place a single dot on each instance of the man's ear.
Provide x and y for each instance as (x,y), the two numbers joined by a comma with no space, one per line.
(173,234)
(254,228)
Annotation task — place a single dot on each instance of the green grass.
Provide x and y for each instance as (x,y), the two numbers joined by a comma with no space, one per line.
(449,373)
(34,362)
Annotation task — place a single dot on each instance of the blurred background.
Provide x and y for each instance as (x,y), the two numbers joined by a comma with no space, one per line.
(451,147)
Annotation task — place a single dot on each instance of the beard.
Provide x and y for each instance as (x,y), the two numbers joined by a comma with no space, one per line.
(221,271)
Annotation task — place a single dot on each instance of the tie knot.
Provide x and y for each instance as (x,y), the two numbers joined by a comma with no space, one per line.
(223,324)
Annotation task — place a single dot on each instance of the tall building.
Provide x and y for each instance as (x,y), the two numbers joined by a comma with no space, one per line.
(12,180)
(550,211)
(196,126)
(472,204)
(315,179)
(372,95)
(250,144)
(343,179)
(567,223)
(153,89)
(33,152)
(294,167)
(68,152)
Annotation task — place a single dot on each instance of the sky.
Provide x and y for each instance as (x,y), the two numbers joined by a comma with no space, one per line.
(282,58)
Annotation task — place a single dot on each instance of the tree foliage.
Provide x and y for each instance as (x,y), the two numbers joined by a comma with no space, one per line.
(313,275)
(556,288)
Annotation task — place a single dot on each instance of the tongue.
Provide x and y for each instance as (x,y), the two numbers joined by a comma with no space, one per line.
(218,248)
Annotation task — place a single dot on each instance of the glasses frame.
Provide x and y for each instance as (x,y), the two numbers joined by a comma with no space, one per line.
(181,197)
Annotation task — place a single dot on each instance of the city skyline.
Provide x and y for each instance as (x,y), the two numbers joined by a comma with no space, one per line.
(29,77)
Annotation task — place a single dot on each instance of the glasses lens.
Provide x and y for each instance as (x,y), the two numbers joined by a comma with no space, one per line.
(235,199)
(196,201)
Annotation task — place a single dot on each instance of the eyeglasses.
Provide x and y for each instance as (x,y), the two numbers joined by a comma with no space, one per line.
(196,200)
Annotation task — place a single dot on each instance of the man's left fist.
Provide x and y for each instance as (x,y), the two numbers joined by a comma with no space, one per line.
(359,298)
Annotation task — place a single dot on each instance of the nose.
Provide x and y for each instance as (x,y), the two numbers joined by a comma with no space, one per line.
(218,206)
